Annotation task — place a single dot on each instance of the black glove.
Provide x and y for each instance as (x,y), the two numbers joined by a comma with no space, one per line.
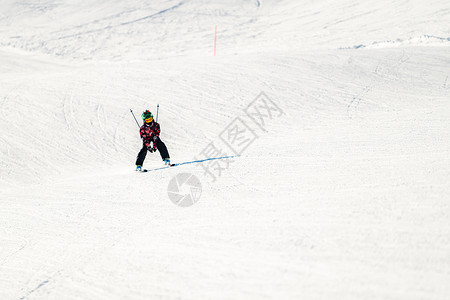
(152,149)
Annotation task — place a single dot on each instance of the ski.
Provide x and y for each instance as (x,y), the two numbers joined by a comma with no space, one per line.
(187,162)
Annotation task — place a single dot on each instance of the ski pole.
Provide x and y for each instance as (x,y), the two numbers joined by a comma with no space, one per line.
(157,111)
(135,118)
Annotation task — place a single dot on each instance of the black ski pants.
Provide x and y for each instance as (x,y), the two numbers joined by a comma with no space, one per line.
(143,153)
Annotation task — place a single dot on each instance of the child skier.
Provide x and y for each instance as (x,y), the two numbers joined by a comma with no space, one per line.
(150,135)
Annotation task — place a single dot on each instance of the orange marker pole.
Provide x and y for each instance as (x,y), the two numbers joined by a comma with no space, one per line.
(215,40)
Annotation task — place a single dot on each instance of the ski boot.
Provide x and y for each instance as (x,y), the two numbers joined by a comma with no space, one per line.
(138,168)
(167,161)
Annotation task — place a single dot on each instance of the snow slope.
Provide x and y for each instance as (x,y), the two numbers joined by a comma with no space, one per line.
(343,195)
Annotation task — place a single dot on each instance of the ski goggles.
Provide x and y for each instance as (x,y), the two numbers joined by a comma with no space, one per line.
(148,120)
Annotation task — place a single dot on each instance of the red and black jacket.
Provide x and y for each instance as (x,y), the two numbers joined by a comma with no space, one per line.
(150,133)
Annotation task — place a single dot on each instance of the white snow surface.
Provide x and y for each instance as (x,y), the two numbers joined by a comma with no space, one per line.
(345,195)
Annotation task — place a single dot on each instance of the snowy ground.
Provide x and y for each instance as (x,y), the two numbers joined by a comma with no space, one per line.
(343,194)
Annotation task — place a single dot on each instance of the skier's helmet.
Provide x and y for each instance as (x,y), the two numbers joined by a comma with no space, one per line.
(147,116)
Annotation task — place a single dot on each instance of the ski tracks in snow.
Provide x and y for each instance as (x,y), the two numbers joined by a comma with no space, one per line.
(445,85)
(85,114)
(68,273)
(387,68)
(352,107)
